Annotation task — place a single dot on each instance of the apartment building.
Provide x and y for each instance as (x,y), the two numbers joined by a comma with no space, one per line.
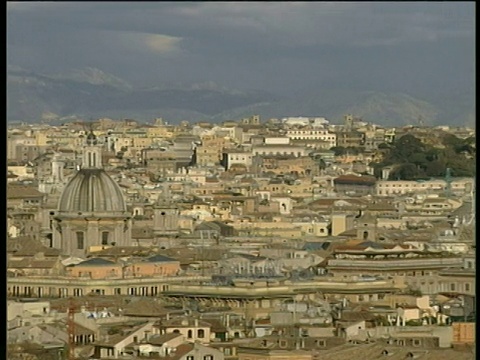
(320,135)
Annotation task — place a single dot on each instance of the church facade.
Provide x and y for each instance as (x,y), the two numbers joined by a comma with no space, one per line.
(92,211)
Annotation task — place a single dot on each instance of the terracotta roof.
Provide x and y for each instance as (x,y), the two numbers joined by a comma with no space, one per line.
(356,316)
(144,307)
(96,262)
(22,192)
(31,264)
(123,251)
(377,349)
(162,339)
(27,246)
(180,351)
(216,325)
(184,321)
(353,179)
(110,341)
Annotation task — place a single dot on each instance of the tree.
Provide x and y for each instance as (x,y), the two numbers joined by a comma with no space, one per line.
(339,150)
(415,160)
(406,171)
(436,168)
(405,147)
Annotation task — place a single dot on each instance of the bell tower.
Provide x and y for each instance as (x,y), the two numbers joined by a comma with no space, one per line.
(165,214)
(367,227)
(92,153)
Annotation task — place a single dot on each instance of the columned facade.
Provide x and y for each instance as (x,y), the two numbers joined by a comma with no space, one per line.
(92,212)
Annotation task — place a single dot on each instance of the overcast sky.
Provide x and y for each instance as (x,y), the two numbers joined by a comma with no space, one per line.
(278,46)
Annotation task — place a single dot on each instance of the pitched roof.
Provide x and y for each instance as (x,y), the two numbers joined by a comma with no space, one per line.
(22,192)
(316,245)
(184,321)
(96,262)
(31,263)
(181,351)
(216,325)
(27,246)
(162,339)
(159,258)
(144,307)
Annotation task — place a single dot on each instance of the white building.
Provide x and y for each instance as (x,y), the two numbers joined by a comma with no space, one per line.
(322,135)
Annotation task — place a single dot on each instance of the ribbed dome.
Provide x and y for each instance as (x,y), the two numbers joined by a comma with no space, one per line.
(92,190)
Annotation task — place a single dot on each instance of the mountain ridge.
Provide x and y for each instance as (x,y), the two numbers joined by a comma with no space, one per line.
(90,92)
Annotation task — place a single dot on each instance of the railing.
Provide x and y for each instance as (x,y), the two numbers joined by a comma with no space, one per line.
(69,281)
(392,263)
(298,288)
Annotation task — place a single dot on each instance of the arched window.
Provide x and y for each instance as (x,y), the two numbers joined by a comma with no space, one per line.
(201,333)
(105,236)
(80,240)
(189,334)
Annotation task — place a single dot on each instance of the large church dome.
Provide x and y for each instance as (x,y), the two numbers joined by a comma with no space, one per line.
(92,190)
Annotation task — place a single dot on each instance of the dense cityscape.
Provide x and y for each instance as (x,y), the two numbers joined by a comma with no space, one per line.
(289,238)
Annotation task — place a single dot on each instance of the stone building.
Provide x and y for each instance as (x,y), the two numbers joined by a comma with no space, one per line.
(165,215)
(92,210)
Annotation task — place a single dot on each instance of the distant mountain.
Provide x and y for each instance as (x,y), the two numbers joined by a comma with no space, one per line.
(94,76)
(91,93)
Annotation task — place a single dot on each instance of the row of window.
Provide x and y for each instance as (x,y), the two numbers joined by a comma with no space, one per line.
(439,187)
(81,239)
(309,132)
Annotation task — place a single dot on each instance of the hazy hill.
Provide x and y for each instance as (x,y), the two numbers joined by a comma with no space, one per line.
(91,93)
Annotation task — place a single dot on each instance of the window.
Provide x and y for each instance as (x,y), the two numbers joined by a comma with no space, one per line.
(190,357)
(189,334)
(80,240)
(201,333)
(467,287)
(320,343)
(452,287)
(417,342)
(105,235)
(208,357)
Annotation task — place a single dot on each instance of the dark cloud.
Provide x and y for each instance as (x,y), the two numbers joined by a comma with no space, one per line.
(265,45)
